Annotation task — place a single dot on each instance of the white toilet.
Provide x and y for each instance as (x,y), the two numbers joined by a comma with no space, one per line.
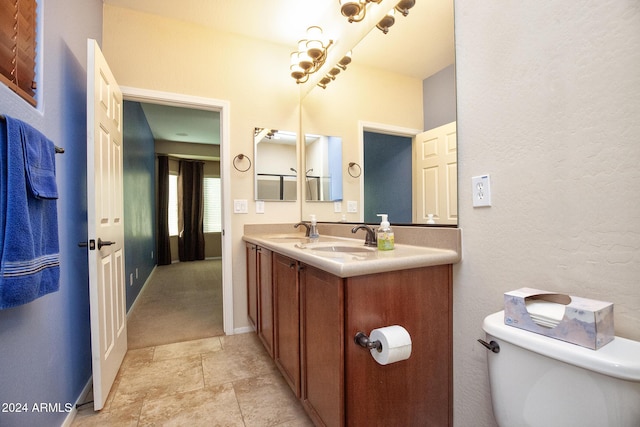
(541,381)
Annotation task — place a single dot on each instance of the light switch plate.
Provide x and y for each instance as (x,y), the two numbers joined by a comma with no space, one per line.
(481,191)
(352,206)
(337,207)
(260,206)
(240,206)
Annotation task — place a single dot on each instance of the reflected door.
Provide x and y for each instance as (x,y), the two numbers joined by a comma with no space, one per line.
(436,175)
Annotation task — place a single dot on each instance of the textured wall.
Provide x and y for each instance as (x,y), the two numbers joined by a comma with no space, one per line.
(548,104)
(139,199)
(45,348)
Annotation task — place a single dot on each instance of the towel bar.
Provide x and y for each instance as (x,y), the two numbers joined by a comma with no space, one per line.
(59,150)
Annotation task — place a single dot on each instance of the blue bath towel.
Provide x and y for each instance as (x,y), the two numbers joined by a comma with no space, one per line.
(29,248)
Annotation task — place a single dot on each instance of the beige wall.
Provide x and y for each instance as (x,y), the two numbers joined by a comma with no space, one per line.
(548,104)
(149,52)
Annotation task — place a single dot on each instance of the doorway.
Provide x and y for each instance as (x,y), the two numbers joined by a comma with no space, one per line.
(386,148)
(222,107)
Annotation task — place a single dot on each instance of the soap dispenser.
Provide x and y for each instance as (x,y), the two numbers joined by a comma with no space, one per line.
(385,234)
(313,231)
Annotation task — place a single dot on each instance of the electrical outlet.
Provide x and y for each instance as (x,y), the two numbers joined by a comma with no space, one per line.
(260,206)
(481,191)
(337,207)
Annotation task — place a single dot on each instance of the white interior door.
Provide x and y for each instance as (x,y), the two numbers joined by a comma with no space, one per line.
(105,227)
(436,172)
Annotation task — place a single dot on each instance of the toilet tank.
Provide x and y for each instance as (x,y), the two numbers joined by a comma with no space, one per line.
(540,381)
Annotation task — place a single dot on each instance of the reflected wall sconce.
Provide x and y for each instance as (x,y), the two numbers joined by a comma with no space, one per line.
(386,22)
(310,56)
(389,19)
(331,75)
(355,11)
(404,6)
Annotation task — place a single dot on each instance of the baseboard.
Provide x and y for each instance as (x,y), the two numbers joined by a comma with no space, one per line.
(71,416)
(141,291)
(243,330)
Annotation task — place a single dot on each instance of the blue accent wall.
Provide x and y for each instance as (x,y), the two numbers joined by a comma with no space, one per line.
(387,177)
(139,199)
(45,346)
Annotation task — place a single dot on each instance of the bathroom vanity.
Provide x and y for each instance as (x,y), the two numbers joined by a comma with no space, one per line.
(307,300)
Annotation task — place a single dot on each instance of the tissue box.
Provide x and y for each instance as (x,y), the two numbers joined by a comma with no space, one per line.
(588,323)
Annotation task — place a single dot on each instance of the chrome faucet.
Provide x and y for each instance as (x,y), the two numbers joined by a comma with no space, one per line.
(370,239)
(306,225)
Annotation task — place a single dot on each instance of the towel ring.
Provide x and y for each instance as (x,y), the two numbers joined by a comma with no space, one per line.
(241,157)
(351,165)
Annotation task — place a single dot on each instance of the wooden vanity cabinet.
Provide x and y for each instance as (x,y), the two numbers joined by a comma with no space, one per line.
(414,392)
(322,345)
(286,288)
(316,316)
(260,294)
(266,330)
(252,284)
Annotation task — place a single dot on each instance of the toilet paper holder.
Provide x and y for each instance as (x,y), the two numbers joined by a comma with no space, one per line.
(364,341)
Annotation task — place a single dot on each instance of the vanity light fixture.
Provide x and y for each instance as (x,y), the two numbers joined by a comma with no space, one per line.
(310,56)
(386,22)
(332,73)
(355,11)
(404,6)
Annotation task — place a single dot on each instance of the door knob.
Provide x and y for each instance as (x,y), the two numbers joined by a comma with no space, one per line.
(102,243)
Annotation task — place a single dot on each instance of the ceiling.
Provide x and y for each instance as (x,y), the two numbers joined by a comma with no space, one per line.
(418,45)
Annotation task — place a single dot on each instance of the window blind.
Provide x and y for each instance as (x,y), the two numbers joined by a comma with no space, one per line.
(212,205)
(18,47)
(173,205)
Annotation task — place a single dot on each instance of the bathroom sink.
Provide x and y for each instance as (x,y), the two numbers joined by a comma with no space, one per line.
(343,249)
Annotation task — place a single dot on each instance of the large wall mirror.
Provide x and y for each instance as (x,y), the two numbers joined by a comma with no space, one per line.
(408,90)
(275,157)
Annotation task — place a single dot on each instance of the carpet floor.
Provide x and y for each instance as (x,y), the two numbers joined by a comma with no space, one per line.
(181,302)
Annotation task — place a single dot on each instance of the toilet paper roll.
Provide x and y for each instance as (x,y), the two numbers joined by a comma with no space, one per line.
(396,344)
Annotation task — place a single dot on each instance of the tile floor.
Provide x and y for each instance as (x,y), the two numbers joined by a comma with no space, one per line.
(219,381)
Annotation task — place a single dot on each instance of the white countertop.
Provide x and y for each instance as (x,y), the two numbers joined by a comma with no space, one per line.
(362,260)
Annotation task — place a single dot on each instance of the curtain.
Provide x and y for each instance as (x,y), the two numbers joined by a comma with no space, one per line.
(163,246)
(190,211)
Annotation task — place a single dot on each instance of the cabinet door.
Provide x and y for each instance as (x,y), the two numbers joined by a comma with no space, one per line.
(265,298)
(252,284)
(416,391)
(287,319)
(322,336)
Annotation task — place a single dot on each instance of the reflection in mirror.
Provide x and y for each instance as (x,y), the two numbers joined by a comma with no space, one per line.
(323,168)
(275,164)
(387,177)
(398,88)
